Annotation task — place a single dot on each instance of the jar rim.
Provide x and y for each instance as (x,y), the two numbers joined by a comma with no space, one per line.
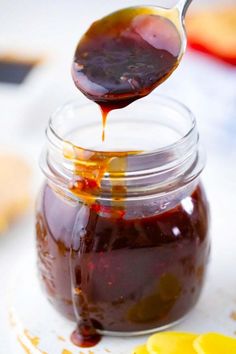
(163,98)
(147,173)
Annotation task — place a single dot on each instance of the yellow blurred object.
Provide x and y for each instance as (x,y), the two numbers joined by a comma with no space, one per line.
(214,343)
(214,31)
(171,343)
(14,188)
(141,349)
(187,343)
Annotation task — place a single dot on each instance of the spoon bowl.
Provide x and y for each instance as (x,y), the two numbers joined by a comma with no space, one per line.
(127,54)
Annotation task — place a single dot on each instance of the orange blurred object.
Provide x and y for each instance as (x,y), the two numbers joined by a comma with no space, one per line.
(14,188)
(213,31)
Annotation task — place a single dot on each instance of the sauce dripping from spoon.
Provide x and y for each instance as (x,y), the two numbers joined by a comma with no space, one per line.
(126,55)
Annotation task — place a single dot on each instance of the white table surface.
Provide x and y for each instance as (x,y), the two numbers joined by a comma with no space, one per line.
(208,87)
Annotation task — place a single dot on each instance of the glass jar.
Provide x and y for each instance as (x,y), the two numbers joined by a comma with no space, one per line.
(122,237)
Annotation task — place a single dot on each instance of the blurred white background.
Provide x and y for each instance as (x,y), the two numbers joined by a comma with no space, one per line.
(50,30)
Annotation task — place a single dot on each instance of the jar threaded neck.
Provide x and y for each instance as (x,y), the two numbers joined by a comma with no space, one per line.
(143,173)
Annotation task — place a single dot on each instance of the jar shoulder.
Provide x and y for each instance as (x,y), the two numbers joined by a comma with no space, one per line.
(64,220)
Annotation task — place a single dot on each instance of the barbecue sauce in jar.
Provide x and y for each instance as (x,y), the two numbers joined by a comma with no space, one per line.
(119,266)
(129,275)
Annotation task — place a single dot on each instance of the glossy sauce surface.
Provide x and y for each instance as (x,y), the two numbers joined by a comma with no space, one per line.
(127,275)
(124,56)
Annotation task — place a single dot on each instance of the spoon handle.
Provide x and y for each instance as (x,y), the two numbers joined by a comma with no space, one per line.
(182,6)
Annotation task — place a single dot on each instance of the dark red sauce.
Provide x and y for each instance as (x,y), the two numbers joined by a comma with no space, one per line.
(124,56)
(85,336)
(127,274)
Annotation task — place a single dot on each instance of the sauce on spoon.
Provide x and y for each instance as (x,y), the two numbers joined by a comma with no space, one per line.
(126,55)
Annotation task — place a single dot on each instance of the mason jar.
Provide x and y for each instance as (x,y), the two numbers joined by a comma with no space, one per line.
(122,225)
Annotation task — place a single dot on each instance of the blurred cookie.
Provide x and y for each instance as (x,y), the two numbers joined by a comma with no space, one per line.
(214,31)
(14,188)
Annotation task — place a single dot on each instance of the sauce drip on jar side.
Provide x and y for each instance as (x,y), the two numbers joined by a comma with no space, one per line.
(85,337)
(89,170)
(124,56)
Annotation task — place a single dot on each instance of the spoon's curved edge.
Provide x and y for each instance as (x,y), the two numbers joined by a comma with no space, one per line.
(183,6)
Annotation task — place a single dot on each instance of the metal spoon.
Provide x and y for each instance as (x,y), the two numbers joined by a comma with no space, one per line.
(127,54)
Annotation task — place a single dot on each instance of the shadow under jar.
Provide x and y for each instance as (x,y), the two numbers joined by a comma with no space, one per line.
(122,238)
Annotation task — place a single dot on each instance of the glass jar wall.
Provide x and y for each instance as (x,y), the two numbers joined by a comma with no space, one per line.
(122,227)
